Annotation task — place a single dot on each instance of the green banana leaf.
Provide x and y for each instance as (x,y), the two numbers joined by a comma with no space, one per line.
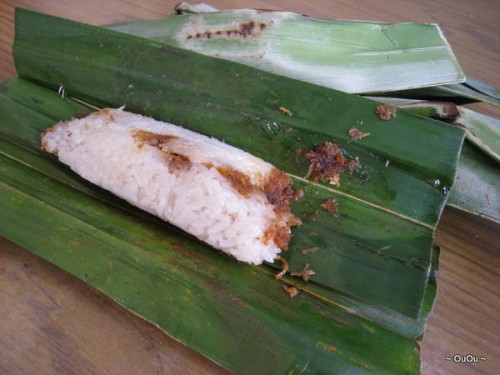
(375,261)
(351,56)
(134,72)
(456,93)
(178,89)
(15,95)
(481,130)
(482,88)
(236,314)
(230,320)
(477,188)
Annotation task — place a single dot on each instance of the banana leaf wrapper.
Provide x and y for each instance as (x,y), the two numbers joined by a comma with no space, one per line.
(374,266)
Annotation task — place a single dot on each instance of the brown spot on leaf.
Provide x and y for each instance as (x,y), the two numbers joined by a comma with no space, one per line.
(331,206)
(237,301)
(305,273)
(356,134)
(309,216)
(385,111)
(286,111)
(327,347)
(243,30)
(179,248)
(298,194)
(327,162)
(310,250)
(292,291)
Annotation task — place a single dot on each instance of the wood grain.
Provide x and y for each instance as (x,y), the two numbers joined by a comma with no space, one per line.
(53,323)
(50,322)
(466,314)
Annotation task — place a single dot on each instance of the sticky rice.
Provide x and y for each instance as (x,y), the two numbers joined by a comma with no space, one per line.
(224,196)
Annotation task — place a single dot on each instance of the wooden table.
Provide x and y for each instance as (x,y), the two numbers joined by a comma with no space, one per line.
(50,322)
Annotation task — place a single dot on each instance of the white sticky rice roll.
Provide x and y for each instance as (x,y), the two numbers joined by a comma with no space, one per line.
(218,193)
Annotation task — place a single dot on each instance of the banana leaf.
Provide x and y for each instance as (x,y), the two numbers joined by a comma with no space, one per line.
(385,59)
(481,130)
(351,56)
(236,314)
(456,93)
(16,95)
(179,90)
(382,238)
(249,97)
(482,88)
(191,20)
(171,283)
(477,187)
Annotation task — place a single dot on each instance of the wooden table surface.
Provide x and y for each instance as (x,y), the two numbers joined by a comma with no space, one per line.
(52,323)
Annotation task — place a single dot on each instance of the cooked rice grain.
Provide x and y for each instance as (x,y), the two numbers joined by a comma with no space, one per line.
(176,174)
